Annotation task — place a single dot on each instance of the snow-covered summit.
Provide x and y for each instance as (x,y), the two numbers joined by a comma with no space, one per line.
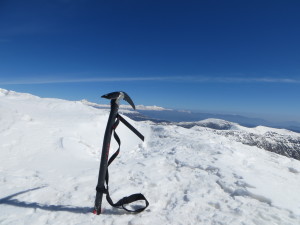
(126,107)
(220,124)
(49,162)
(11,94)
(217,124)
(280,141)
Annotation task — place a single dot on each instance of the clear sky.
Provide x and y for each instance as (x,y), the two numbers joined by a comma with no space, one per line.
(207,55)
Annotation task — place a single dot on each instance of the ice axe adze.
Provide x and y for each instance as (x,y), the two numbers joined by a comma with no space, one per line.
(113,121)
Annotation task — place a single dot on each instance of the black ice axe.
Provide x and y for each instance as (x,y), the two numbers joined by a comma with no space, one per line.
(113,121)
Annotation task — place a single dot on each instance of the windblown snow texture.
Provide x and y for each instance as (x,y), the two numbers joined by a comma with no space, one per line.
(50,151)
(280,141)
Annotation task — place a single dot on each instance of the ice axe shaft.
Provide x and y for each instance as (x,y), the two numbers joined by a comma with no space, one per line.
(104,156)
(115,98)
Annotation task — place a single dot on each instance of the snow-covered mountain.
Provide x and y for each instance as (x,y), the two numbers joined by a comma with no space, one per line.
(160,114)
(280,141)
(126,107)
(200,173)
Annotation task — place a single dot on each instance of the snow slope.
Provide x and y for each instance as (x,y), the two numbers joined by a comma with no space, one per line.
(49,161)
(280,141)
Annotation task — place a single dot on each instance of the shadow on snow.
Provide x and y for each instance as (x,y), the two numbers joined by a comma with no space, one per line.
(9,200)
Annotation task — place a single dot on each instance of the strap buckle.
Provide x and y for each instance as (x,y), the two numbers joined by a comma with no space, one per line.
(102,189)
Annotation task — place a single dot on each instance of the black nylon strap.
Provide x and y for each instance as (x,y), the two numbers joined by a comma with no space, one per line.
(128,200)
(131,127)
(131,198)
(112,158)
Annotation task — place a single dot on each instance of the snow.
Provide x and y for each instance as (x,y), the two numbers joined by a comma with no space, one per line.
(49,162)
(226,125)
(127,107)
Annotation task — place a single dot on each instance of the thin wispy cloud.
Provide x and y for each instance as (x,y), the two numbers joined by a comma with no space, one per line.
(80,80)
(199,79)
(247,80)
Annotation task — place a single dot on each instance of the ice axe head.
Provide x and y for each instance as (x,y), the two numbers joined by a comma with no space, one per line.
(119,95)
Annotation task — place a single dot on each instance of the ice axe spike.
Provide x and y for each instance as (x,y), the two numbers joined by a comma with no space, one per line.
(119,95)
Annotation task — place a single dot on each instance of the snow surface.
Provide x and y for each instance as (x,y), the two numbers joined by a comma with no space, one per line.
(226,125)
(127,107)
(49,162)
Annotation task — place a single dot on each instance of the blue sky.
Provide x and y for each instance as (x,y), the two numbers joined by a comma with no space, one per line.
(212,56)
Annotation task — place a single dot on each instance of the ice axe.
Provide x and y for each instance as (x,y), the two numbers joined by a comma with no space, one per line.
(113,121)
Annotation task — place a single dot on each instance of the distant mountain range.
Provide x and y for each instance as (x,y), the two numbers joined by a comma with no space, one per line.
(160,114)
(186,116)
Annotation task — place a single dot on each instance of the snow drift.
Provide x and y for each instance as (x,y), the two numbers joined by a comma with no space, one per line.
(49,161)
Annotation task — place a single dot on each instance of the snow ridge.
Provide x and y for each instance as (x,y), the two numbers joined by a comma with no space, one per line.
(49,162)
(128,107)
(280,141)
